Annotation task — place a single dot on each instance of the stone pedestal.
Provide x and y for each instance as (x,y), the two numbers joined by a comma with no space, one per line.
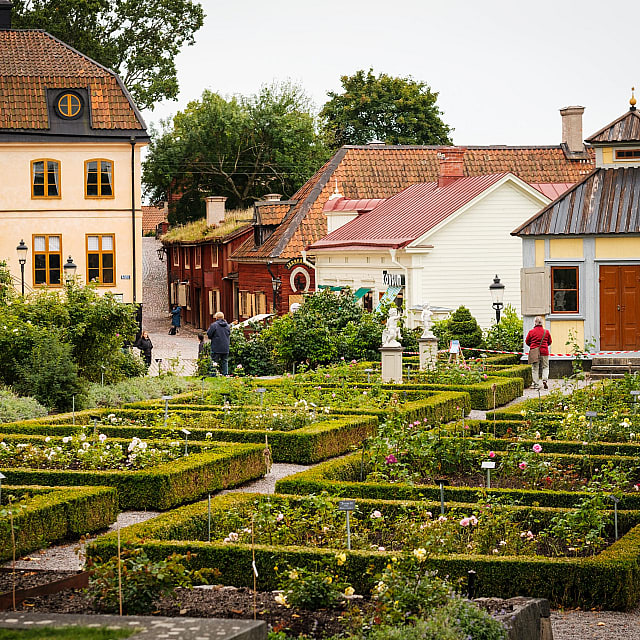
(391,364)
(428,347)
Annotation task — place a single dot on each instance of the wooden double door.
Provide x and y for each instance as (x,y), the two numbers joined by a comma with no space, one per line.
(619,307)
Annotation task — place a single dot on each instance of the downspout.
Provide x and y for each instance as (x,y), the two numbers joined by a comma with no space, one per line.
(274,281)
(134,276)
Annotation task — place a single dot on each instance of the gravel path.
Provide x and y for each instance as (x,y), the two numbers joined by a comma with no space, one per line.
(596,625)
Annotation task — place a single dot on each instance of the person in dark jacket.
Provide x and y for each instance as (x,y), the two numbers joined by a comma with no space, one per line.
(146,346)
(176,313)
(539,338)
(219,333)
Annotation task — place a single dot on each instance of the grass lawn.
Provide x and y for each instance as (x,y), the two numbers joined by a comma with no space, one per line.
(65,633)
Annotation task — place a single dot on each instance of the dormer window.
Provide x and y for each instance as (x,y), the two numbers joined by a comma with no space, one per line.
(627,154)
(69,105)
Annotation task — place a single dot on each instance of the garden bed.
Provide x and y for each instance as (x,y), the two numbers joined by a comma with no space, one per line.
(608,579)
(42,515)
(165,485)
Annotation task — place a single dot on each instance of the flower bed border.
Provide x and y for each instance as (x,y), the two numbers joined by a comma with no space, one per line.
(55,514)
(608,580)
(330,477)
(163,486)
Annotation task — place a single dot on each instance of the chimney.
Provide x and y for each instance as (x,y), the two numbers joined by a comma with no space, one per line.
(572,128)
(451,165)
(5,14)
(215,210)
(272,197)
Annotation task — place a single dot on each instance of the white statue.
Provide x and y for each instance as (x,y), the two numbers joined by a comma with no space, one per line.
(426,316)
(391,332)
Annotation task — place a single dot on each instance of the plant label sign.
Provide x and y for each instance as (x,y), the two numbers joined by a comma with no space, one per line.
(454,346)
(488,464)
(346,505)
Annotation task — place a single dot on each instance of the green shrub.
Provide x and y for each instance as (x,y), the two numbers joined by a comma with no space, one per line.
(506,335)
(13,407)
(134,390)
(464,327)
(140,580)
(251,352)
(312,588)
(50,373)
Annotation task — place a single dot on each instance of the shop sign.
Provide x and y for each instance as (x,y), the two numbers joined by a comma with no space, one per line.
(393,279)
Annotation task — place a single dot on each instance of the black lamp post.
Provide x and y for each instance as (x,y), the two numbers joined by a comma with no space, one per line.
(22,259)
(69,270)
(497,295)
(160,251)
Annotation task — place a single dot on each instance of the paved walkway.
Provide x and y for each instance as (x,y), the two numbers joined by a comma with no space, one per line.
(177,353)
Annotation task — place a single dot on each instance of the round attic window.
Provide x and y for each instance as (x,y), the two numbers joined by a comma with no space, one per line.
(69,105)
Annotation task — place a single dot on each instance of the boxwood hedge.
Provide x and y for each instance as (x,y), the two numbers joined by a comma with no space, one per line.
(43,515)
(608,580)
(163,486)
(341,478)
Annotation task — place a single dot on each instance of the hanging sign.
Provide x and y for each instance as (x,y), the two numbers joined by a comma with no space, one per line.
(392,279)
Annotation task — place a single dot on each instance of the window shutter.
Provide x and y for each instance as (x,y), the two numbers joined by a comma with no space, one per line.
(535,288)
(182,295)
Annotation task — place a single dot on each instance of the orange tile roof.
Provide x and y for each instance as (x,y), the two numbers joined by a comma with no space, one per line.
(32,61)
(380,171)
(272,213)
(152,217)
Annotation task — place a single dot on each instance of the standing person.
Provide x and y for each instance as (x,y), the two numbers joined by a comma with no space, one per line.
(176,312)
(219,333)
(538,341)
(146,346)
(202,346)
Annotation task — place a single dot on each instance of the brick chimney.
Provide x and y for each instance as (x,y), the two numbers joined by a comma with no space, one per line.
(5,14)
(215,210)
(451,165)
(272,197)
(572,128)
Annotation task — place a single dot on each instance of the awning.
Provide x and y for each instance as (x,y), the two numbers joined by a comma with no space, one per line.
(361,292)
(388,296)
(330,287)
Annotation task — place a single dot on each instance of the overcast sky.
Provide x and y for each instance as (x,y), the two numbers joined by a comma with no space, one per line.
(502,68)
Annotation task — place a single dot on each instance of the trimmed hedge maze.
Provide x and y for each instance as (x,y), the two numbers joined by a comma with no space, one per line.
(43,515)
(608,579)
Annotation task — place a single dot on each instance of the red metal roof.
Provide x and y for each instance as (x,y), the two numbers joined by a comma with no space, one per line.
(552,190)
(348,204)
(409,214)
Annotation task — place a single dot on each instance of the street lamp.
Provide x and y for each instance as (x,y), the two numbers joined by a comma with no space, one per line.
(69,270)
(497,295)
(160,251)
(22,250)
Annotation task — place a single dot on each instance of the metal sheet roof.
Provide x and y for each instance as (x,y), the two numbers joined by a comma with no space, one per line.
(607,201)
(409,214)
(626,128)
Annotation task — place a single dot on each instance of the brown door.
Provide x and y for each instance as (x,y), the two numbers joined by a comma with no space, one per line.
(619,307)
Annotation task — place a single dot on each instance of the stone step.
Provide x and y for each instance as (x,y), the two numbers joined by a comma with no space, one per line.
(616,361)
(602,375)
(615,368)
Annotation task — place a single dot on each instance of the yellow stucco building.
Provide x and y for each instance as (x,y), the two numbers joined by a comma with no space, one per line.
(581,253)
(70,141)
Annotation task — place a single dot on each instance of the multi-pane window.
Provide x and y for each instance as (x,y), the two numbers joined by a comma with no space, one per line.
(69,105)
(214,255)
(627,154)
(47,260)
(187,258)
(45,179)
(176,256)
(197,257)
(101,259)
(98,178)
(564,289)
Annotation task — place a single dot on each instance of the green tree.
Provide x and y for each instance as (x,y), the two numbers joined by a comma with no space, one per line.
(394,110)
(507,334)
(138,39)
(241,147)
(464,327)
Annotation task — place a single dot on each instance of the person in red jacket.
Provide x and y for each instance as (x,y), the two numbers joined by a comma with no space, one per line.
(539,337)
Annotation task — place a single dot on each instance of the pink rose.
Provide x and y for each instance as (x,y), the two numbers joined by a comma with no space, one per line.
(523,465)
(465,522)
(537,448)
(390,459)
(492,454)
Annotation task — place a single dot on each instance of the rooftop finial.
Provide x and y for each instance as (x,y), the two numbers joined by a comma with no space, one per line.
(633,100)
(336,192)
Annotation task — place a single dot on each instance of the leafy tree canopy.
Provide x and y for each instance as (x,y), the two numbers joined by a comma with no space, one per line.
(138,39)
(391,109)
(241,147)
